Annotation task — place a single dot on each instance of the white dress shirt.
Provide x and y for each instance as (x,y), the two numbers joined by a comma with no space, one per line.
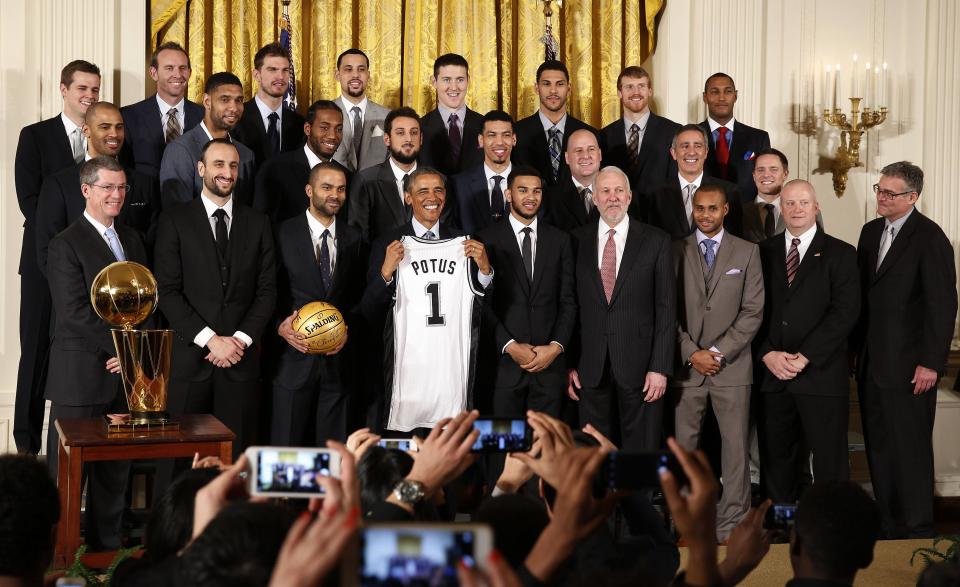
(503,184)
(398,176)
(805,239)
(102,230)
(69,127)
(619,239)
(265,112)
(312,158)
(316,232)
(181,114)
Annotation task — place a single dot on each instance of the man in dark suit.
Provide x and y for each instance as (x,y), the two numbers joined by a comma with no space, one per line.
(909,282)
(363,130)
(84,382)
(449,145)
(733,145)
(625,292)
(812,304)
(478,192)
(669,206)
(61,198)
(377,193)
(320,259)
(223,107)
(569,204)
(268,126)
(163,117)
(214,263)
(639,142)
(542,137)
(44,148)
(280,182)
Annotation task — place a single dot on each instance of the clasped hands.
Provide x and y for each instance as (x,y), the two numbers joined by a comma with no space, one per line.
(225,351)
(785,366)
(533,358)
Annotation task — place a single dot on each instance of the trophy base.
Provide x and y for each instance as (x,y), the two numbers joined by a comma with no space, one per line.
(140,423)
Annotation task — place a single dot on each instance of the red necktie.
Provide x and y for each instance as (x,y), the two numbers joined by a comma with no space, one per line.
(723,150)
(608,265)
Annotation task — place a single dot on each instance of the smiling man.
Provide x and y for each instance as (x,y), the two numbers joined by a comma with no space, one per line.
(363,118)
(479,191)
(570,203)
(449,145)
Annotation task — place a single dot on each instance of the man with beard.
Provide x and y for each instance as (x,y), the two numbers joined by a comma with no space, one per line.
(223,106)
(267,126)
(478,192)
(377,194)
(763,218)
(280,181)
(570,203)
(319,259)
(362,144)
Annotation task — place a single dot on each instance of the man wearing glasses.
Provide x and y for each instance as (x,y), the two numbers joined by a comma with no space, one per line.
(909,283)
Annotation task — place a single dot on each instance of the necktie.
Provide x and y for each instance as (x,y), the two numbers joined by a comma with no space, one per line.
(357,131)
(115,244)
(688,192)
(526,249)
(885,243)
(76,144)
(793,261)
(429,235)
(496,198)
(555,151)
(403,202)
(173,130)
(587,195)
(608,265)
(323,260)
(455,136)
(723,150)
(708,253)
(220,231)
(769,223)
(633,147)
(273,133)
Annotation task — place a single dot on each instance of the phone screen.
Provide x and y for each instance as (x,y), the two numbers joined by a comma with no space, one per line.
(414,556)
(291,471)
(624,470)
(398,444)
(502,435)
(780,516)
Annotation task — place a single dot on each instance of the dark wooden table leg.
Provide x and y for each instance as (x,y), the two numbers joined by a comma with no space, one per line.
(72,515)
(63,487)
(226,452)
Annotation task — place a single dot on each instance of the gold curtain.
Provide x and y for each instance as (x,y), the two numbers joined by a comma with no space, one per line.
(500,39)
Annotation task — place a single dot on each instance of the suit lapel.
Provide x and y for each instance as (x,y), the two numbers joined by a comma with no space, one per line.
(478,187)
(392,198)
(544,243)
(810,259)
(900,243)
(157,128)
(720,264)
(348,136)
(204,232)
(305,253)
(345,242)
(97,244)
(692,266)
(631,251)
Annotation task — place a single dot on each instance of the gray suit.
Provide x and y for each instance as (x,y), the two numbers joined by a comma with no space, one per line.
(179,180)
(720,308)
(372,149)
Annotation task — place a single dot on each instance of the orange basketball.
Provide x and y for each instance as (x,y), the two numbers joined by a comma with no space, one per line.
(321,325)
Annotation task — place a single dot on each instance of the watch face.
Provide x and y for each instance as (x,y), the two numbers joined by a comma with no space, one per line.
(410,492)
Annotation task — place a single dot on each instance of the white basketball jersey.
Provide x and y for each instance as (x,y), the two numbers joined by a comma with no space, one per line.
(435,321)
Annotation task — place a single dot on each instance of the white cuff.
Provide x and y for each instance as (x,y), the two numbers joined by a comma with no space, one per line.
(204,336)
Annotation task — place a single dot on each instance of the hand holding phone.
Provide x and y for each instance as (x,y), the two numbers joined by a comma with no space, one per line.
(780,516)
(500,435)
(290,471)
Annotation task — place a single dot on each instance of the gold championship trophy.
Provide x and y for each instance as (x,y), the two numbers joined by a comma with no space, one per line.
(124,294)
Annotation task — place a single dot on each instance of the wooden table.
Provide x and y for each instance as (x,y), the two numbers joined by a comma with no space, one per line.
(84,440)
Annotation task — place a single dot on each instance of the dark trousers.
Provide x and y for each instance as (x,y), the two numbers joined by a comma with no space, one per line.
(621,415)
(898,429)
(791,424)
(313,413)
(35,311)
(106,481)
(232,402)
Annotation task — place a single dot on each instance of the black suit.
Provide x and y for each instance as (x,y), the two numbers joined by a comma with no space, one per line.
(812,316)
(376,206)
(654,166)
(315,387)
(44,149)
(663,207)
(563,206)
(909,308)
(621,341)
(745,144)
(436,151)
(532,147)
(279,189)
(146,133)
(251,132)
(470,195)
(80,385)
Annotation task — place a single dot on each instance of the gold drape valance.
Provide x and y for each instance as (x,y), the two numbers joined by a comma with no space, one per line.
(500,39)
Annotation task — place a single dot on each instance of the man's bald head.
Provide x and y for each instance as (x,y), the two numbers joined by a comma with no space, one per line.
(583,156)
(97,108)
(799,206)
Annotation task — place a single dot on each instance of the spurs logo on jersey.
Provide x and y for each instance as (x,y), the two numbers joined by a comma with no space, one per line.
(435,320)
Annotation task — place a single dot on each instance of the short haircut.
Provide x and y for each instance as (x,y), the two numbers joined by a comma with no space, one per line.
(378,471)
(495,116)
(97,107)
(711,188)
(90,170)
(908,172)
(838,525)
(401,112)
(352,51)
(634,71)
(719,74)
(29,509)
(222,78)
(212,142)
(687,128)
(321,105)
(170,525)
(523,171)
(553,65)
(325,166)
(771,151)
(449,59)
(168,46)
(270,50)
(420,171)
(79,65)
(616,171)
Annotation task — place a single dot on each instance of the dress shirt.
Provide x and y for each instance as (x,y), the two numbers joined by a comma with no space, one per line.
(265,112)
(312,158)
(897,226)
(348,106)
(398,176)
(419,230)
(316,234)
(181,115)
(547,125)
(696,186)
(503,184)
(714,125)
(640,121)
(445,113)
(203,125)
(579,187)
(69,127)
(760,203)
(805,240)
(619,239)
(717,238)
(102,230)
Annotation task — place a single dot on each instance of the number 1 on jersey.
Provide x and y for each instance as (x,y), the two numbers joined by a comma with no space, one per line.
(435,318)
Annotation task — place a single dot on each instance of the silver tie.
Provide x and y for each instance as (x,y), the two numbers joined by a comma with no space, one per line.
(76,144)
(885,243)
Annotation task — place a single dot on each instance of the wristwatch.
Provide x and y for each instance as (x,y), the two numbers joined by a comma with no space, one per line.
(409,492)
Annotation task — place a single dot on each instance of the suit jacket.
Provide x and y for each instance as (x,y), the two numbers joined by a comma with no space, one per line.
(752,225)
(298,283)
(909,303)
(637,328)
(663,208)
(722,309)
(179,181)
(82,342)
(469,200)
(375,204)
(145,133)
(372,150)
(251,132)
(532,148)
(279,188)
(813,316)
(747,141)
(655,166)
(62,202)
(192,294)
(563,207)
(436,151)
(536,313)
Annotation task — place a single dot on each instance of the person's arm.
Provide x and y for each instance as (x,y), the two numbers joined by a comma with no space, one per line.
(168,270)
(50,219)
(71,297)
(831,333)
(361,204)
(563,326)
(26,173)
(665,302)
(738,336)
(938,278)
(264,303)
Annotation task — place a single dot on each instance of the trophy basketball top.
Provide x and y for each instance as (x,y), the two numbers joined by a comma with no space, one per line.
(124,294)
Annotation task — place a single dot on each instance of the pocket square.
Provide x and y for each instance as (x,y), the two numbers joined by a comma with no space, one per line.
(733,271)
(816,254)
(749,156)
(377,131)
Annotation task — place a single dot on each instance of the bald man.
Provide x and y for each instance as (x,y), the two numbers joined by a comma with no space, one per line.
(569,204)
(812,304)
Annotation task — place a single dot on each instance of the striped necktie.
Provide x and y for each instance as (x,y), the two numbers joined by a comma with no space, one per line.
(793,261)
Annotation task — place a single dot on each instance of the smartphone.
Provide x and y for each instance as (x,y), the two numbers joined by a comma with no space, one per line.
(415,554)
(502,435)
(71,582)
(404,444)
(637,470)
(780,516)
(289,471)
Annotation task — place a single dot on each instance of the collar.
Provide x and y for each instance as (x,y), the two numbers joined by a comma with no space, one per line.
(265,110)
(696,183)
(445,113)
(621,228)
(717,238)
(641,121)
(579,186)
(490,173)
(203,126)
(399,173)
(312,158)
(547,125)
(164,107)
(419,229)
(101,229)
(759,201)
(210,207)
(517,226)
(68,124)
(805,238)
(714,125)
(348,106)
(898,223)
(316,228)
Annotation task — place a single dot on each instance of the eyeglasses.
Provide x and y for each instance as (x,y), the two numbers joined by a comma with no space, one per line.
(887,194)
(113,188)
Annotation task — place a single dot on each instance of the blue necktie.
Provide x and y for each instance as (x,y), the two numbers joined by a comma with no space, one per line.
(708,255)
(115,244)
